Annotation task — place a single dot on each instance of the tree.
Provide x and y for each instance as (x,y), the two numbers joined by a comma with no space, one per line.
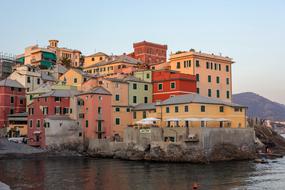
(66,62)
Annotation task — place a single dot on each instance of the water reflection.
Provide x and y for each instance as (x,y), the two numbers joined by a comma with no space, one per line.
(90,174)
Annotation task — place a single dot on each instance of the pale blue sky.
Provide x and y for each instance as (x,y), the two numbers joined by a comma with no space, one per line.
(251,32)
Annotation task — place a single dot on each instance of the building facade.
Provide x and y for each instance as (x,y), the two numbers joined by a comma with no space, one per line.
(12,100)
(65,53)
(149,53)
(213,73)
(94,58)
(75,77)
(167,83)
(34,55)
(55,102)
(95,113)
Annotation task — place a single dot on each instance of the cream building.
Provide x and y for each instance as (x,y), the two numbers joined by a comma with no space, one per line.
(213,72)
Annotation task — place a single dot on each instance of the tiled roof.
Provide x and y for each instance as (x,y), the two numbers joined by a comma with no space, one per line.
(82,73)
(97,90)
(47,77)
(150,106)
(134,79)
(116,59)
(97,54)
(60,68)
(11,83)
(196,98)
(116,80)
(59,93)
(43,88)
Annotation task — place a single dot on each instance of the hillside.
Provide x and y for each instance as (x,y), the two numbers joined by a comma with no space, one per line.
(261,107)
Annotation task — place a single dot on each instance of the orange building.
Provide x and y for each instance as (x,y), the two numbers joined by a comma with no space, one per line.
(213,72)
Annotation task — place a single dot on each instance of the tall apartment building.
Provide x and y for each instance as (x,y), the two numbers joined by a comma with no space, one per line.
(149,53)
(61,52)
(35,55)
(213,73)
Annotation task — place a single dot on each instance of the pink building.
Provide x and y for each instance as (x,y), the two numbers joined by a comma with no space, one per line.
(55,102)
(12,100)
(95,113)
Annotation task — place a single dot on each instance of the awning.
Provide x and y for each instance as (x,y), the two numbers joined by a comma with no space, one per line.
(37,132)
(173,119)
(206,119)
(150,119)
(141,122)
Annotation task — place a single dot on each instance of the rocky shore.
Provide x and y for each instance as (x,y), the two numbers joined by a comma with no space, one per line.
(155,151)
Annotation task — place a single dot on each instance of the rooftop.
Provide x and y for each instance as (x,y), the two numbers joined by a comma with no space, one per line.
(59,93)
(11,83)
(196,98)
(149,106)
(96,90)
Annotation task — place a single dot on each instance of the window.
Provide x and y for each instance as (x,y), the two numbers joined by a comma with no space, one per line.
(218,80)
(100,98)
(92,59)
(128,110)
(31,123)
(100,110)
(218,93)
(145,87)
(45,99)
(21,101)
(45,110)
(65,110)
(211,65)
(144,114)
(207,65)
(215,66)
(134,115)
(117,109)
(197,77)
(134,86)
(147,76)
(145,100)
(19,90)
(209,78)
(178,65)
(57,110)
(176,109)
(197,63)
(209,92)
(228,94)
(186,108)
(86,123)
(198,90)
(117,121)
(12,99)
(228,81)
(70,110)
(219,67)
(172,85)
(167,110)
(38,123)
(203,108)
(160,86)
(75,80)
(117,97)
(134,99)
(57,99)
(221,108)
(236,109)
(227,68)
(11,111)
(39,81)
(12,88)
(28,80)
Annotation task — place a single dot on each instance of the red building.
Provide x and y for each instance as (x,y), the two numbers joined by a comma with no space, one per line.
(95,112)
(149,53)
(167,83)
(55,102)
(12,100)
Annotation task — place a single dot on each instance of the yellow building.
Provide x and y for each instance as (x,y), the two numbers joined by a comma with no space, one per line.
(113,65)
(193,110)
(213,72)
(94,58)
(17,125)
(75,77)
(61,53)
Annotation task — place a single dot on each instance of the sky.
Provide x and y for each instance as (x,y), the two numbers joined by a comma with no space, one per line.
(251,32)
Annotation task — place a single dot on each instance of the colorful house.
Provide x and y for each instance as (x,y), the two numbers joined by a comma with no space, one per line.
(95,113)
(75,77)
(140,91)
(55,102)
(113,65)
(34,55)
(167,83)
(12,100)
(213,72)
(17,125)
(94,58)
(193,110)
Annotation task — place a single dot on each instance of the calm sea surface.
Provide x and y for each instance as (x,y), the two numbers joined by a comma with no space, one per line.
(89,174)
